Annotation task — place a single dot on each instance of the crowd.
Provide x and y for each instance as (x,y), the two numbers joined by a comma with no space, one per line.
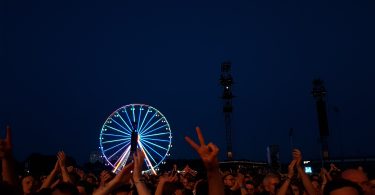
(70,180)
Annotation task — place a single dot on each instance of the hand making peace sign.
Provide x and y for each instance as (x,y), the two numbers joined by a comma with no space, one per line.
(207,152)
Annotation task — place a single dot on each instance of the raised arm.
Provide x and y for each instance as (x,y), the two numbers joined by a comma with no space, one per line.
(64,172)
(284,188)
(139,183)
(49,180)
(116,181)
(6,156)
(301,172)
(165,179)
(208,154)
(240,183)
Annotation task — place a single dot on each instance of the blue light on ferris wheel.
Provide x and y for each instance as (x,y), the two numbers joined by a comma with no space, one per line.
(154,136)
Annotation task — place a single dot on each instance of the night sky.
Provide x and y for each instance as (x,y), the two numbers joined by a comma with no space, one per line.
(67,65)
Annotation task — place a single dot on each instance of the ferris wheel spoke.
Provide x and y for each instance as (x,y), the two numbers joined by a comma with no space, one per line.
(123,159)
(156,145)
(133,113)
(152,130)
(115,135)
(148,163)
(160,140)
(114,146)
(122,119)
(127,157)
(144,118)
(121,125)
(116,140)
(139,117)
(148,122)
(118,151)
(145,144)
(143,130)
(127,115)
(156,134)
(146,151)
(117,130)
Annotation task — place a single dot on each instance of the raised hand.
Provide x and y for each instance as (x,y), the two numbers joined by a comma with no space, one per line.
(322,174)
(168,178)
(124,175)
(107,185)
(105,177)
(240,179)
(188,170)
(8,171)
(284,188)
(333,168)
(139,183)
(207,152)
(139,158)
(326,177)
(80,173)
(291,168)
(297,155)
(61,158)
(50,178)
(6,144)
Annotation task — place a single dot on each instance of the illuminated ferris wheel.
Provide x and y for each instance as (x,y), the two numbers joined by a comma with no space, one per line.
(135,126)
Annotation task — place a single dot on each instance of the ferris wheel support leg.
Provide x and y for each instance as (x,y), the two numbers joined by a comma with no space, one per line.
(147,159)
(125,156)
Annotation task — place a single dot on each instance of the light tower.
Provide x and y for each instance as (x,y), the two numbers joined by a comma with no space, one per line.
(319,92)
(226,82)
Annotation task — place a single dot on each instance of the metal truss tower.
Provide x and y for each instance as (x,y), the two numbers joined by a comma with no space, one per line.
(226,82)
(319,92)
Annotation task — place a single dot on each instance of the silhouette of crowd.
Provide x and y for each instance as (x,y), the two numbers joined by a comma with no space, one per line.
(69,180)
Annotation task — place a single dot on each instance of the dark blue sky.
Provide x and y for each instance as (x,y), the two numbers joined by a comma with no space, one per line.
(67,65)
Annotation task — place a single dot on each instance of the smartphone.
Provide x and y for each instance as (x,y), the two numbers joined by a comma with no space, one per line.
(308,170)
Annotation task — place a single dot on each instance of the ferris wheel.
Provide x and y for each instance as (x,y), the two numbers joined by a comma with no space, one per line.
(135,126)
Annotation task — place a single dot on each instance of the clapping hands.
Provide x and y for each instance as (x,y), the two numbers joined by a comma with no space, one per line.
(61,158)
(297,155)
